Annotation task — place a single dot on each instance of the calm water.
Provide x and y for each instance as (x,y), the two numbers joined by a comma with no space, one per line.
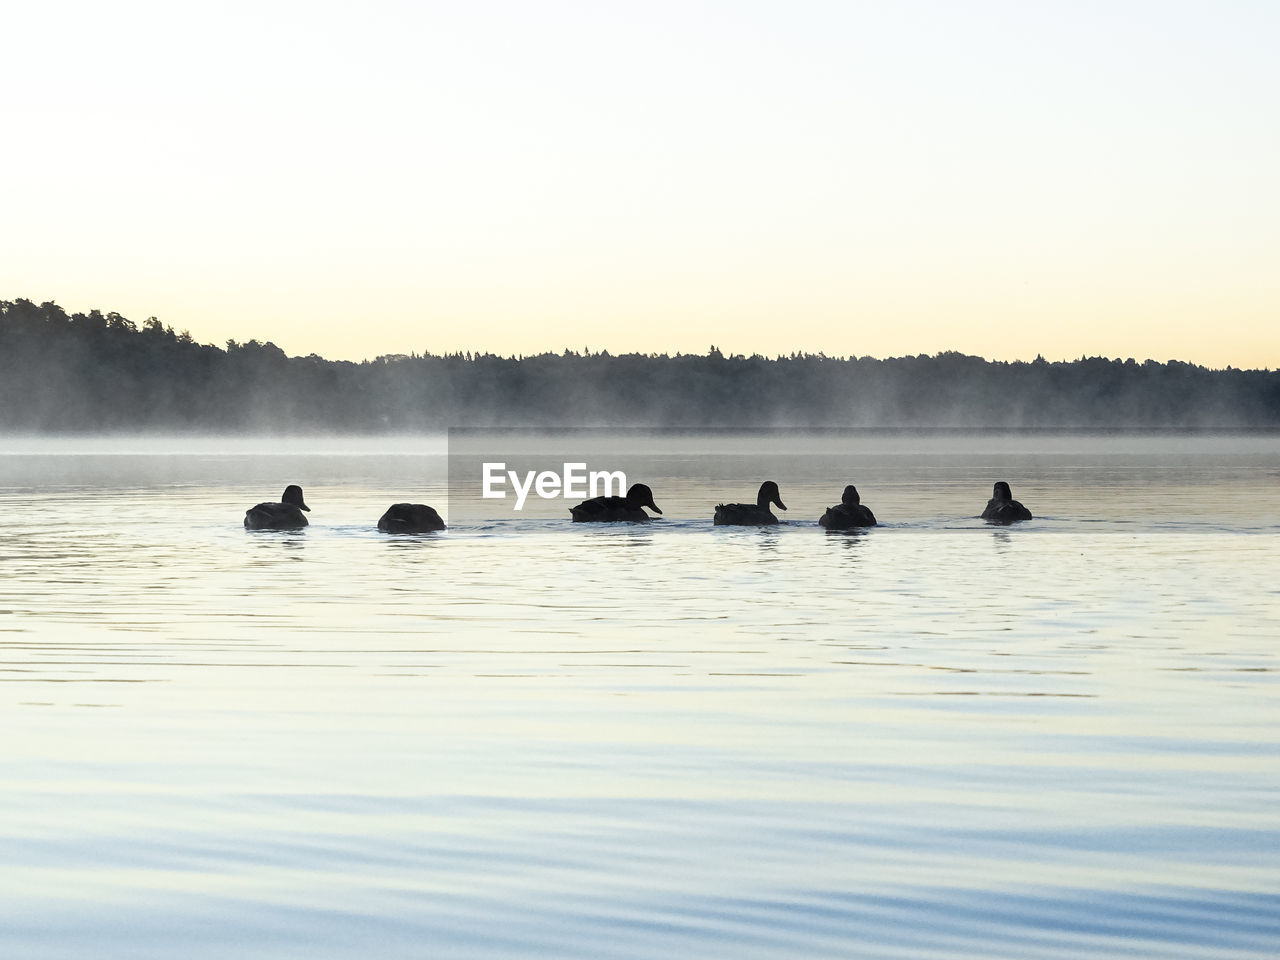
(931,739)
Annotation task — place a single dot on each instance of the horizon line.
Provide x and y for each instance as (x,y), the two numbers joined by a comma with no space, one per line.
(588,352)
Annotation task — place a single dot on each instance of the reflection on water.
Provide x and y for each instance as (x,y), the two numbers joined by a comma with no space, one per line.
(927,739)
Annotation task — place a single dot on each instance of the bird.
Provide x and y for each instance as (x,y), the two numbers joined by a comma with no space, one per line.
(410,518)
(1002,508)
(285,515)
(616,509)
(848,513)
(751,514)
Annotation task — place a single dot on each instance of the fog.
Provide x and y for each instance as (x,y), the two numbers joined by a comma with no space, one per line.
(86,374)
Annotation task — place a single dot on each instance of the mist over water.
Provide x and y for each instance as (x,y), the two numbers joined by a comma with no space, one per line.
(86,373)
(525,736)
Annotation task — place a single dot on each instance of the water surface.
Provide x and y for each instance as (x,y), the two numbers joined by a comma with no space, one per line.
(529,737)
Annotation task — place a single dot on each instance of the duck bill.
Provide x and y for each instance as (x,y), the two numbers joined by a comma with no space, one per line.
(303,506)
(778,502)
(654,507)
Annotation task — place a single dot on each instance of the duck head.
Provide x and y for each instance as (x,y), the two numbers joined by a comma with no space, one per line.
(850,496)
(769,494)
(641,496)
(293,496)
(1002,491)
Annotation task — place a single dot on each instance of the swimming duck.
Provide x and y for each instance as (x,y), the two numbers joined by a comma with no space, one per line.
(616,509)
(1002,508)
(848,513)
(410,518)
(751,514)
(285,515)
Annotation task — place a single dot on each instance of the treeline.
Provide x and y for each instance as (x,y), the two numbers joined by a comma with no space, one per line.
(90,372)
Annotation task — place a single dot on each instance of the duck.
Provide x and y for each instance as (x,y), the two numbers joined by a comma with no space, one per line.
(285,515)
(410,518)
(617,509)
(1002,508)
(848,513)
(751,514)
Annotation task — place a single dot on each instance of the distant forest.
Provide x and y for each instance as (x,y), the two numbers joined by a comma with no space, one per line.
(95,372)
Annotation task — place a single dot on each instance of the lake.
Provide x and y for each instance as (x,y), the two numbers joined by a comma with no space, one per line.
(526,737)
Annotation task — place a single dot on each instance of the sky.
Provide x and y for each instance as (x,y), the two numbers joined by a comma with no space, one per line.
(859,178)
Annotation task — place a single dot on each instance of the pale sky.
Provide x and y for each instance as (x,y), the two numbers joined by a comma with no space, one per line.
(884,178)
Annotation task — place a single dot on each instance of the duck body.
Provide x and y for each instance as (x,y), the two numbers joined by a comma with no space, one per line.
(607,510)
(410,518)
(287,514)
(755,514)
(848,513)
(743,515)
(1002,508)
(628,509)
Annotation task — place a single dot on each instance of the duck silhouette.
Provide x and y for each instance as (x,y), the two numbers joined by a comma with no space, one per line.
(1002,508)
(848,513)
(617,509)
(410,518)
(285,515)
(755,514)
